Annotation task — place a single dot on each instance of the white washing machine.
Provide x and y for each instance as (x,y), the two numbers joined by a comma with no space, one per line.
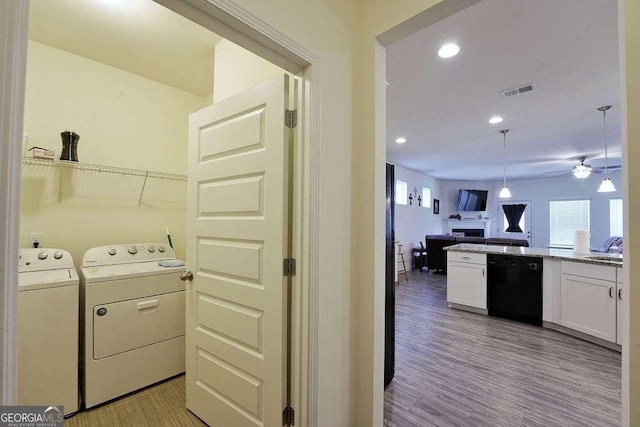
(47,329)
(132,319)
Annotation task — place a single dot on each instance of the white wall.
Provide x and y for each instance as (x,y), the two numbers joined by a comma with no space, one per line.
(123,120)
(540,192)
(236,69)
(449,202)
(629,14)
(413,222)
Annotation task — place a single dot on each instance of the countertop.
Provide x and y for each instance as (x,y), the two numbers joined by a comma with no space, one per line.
(564,254)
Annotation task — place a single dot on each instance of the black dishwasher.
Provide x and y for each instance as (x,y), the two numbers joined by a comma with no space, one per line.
(514,288)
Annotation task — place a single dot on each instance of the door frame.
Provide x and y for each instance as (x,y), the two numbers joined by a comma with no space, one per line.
(234,23)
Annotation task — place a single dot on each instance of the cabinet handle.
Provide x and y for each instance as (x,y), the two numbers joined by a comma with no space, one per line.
(610,292)
(620,294)
(147,304)
(466,257)
(483,272)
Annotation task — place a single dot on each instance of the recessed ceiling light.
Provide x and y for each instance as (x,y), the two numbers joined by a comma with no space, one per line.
(495,120)
(110,1)
(401,140)
(448,50)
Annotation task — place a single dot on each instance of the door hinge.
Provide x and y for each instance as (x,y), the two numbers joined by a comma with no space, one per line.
(288,416)
(289,267)
(291,118)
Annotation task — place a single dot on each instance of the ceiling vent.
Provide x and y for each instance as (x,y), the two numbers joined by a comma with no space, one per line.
(517,91)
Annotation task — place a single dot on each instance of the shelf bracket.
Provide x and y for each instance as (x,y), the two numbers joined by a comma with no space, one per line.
(144,184)
(60,184)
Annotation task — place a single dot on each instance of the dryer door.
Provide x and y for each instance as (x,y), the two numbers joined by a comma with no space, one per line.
(123,326)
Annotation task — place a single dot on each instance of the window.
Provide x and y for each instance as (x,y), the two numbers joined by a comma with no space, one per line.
(615,217)
(426,197)
(401,193)
(565,217)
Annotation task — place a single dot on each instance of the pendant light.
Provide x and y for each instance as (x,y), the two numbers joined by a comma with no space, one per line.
(504,193)
(607,185)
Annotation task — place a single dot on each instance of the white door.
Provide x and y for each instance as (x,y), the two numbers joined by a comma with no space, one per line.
(524,224)
(237,238)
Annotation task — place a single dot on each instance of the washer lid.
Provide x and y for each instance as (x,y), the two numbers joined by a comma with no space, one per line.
(102,273)
(46,279)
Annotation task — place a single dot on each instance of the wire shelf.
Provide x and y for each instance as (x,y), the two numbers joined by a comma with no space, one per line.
(63,164)
(101,168)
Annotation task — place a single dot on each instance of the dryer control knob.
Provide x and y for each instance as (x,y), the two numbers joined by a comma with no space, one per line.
(112,251)
(42,255)
(152,249)
(132,250)
(161,248)
(57,255)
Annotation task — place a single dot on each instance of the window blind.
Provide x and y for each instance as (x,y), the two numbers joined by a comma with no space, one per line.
(426,197)
(401,192)
(565,217)
(615,217)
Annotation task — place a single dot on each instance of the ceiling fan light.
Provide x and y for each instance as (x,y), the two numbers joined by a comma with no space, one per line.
(606,186)
(581,171)
(504,193)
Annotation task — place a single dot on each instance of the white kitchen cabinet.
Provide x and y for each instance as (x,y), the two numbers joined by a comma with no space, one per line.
(467,279)
(589,304)
(620,296)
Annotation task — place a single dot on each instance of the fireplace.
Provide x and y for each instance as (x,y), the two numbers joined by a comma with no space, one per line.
(468,232)
(480,227)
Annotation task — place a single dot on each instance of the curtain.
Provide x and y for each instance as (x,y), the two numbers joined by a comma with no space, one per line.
(513,214)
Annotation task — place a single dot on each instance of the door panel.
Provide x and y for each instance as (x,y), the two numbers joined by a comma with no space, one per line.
(238,236)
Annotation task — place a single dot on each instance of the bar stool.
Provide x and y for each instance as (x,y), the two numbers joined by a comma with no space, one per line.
(402,261)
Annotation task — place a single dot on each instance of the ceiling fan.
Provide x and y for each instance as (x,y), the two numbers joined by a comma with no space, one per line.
(582,170)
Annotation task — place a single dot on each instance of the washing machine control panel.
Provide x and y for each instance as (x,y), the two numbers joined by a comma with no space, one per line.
(121,254)
(43,259)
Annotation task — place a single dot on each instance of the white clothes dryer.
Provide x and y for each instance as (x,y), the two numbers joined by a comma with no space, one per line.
(132,319)
(47,329)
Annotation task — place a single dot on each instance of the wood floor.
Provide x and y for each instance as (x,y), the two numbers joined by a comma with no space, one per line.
(462,369)
(160,405)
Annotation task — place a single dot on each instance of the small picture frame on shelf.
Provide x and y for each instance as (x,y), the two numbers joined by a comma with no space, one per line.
(436,206)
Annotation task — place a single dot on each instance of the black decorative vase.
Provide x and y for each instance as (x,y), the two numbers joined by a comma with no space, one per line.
(69,145)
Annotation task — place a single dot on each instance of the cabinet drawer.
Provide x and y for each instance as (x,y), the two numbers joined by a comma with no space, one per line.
(583,269)
(469,257)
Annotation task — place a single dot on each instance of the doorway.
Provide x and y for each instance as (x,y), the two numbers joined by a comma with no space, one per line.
(523,229)
(410,153)
(301,198)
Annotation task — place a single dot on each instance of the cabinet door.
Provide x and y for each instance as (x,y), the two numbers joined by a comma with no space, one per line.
(467,284)
(621,295)
(589,306)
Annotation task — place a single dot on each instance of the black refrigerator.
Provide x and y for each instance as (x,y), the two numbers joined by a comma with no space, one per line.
(390,291)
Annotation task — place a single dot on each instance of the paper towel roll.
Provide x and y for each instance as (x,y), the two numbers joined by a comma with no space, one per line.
(581,241)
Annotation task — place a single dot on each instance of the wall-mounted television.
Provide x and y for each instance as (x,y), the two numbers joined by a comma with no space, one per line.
(472,200)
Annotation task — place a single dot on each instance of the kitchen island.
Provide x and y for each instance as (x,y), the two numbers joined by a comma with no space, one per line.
(581,294)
